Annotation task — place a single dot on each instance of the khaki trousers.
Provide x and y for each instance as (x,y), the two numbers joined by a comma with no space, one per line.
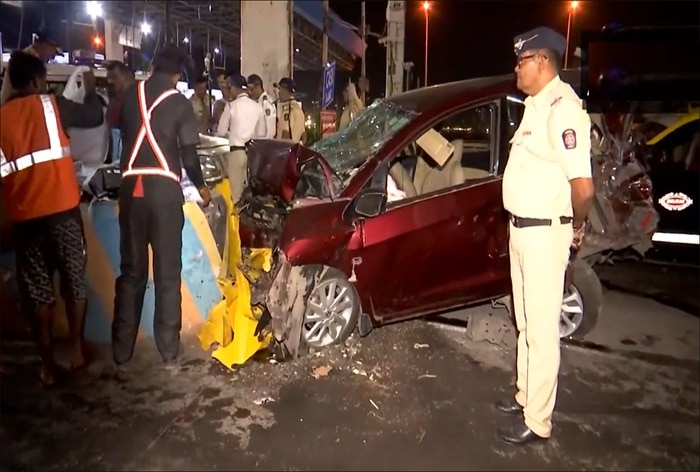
(538,260)
(237,171)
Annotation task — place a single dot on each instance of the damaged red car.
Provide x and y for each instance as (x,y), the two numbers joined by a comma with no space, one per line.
(400,216)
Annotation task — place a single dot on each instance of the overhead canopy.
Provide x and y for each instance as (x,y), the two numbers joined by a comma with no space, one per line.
(205,22)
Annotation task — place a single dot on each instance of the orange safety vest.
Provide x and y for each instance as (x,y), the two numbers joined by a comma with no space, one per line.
(36,165)
(146,132)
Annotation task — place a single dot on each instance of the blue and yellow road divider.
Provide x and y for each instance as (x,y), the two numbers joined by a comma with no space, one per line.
(232,322)
(215,293)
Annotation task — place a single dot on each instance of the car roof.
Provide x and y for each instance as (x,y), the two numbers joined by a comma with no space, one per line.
(422,99)
(437,96)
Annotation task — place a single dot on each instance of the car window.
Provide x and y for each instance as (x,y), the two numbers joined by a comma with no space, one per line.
(474,128)
(469,133)
(515,109)
(351,147)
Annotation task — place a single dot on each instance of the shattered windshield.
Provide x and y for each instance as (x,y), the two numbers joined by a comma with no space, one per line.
(349,148)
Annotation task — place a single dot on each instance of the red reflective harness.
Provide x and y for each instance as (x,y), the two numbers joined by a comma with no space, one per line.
(147,132)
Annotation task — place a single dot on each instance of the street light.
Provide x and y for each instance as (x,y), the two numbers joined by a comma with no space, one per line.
(145,28)
(426,8)
(94,9)
(572,10)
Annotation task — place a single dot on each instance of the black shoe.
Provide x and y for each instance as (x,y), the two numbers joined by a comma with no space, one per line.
(509,407)
(520,435)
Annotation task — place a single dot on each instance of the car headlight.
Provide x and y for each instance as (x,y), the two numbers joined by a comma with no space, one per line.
(212,168)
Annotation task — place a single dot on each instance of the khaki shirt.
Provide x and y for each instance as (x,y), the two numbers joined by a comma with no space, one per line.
(202,112)
(551,147)
(290,120)
(349,114)
(7,90)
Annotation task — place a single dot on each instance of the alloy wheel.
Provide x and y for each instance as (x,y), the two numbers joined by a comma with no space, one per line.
(571,315)
(328,312)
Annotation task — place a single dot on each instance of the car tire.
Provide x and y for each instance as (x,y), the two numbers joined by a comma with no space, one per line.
(587,285)
(335,280)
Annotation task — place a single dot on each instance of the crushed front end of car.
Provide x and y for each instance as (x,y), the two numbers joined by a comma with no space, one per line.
(622,215)
(263,292)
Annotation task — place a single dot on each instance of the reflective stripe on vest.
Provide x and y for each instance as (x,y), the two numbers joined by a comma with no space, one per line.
(146,132)
(55,151)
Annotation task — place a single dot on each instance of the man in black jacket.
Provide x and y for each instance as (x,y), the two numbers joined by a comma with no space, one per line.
(160,137)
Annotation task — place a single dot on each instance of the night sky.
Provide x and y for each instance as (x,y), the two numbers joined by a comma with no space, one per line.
(474,38)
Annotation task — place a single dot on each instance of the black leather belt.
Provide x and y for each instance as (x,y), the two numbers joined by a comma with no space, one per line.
(237,148)
(520,222)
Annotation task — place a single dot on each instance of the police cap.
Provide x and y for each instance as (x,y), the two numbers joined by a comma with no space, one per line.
(254,79)
(286,83)
(539,38)
(238,81)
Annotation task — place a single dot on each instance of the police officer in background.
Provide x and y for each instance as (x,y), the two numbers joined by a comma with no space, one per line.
(258,93)
(242,121)
(547,189)
(160,138)
(201,104)
(225,89)
(290,115)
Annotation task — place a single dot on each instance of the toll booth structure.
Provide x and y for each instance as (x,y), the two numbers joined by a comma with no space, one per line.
(248,36)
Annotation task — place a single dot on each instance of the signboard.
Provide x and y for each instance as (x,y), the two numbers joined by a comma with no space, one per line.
(328,119)
(328,85)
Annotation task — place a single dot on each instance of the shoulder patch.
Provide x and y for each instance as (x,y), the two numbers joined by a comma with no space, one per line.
(569,138)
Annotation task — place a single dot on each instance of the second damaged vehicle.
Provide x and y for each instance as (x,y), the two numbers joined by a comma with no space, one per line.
(400,216)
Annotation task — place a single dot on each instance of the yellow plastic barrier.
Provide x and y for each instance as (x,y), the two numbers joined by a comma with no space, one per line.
(231,323)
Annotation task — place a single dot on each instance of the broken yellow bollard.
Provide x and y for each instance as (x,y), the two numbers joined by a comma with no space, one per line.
(231,323)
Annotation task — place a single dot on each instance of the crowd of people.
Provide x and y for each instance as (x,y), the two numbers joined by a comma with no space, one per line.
(154,133)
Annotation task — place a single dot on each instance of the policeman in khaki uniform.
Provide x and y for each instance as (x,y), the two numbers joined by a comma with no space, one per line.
(353,106)
(290,115)
(547,189)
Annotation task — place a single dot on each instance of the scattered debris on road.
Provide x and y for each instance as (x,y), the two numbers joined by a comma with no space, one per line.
(264,400)
(321,371)
(420,346)
(361,372)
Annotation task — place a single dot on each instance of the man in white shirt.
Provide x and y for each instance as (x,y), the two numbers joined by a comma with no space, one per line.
(42,47)
(242,120)
(257,92)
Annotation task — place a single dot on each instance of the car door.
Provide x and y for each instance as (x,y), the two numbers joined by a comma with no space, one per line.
(439,250)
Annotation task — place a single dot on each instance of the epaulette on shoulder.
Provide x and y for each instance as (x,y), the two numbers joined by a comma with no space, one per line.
(556,100)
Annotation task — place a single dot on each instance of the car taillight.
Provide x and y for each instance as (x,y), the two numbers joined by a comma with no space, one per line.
(640,188)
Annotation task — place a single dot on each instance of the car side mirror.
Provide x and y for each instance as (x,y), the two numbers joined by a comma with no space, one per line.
(370,203)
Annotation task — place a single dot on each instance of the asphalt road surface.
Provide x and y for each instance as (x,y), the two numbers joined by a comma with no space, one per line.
(413,396)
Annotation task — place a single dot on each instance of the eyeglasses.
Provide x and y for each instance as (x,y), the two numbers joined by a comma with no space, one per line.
(519,61)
